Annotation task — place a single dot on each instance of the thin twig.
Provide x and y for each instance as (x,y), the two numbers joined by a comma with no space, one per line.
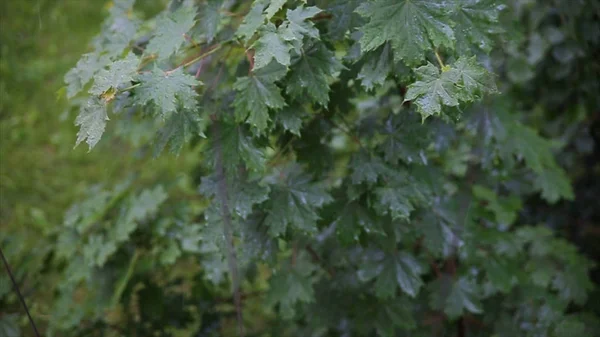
(130,87)
(211,50)
(439,59)
(16,286)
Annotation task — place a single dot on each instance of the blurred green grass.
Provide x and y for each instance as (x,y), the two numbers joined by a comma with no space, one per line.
(40,172)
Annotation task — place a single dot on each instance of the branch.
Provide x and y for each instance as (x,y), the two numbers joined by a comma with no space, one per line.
(227,228)
(16,286)
(210,51)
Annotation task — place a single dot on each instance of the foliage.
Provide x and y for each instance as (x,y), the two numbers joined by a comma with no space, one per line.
(351,168)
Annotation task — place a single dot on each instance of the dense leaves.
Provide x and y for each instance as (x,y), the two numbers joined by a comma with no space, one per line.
(356,172)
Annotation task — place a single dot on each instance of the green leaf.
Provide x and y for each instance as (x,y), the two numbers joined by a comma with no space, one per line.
(297,26)
(406,139)
(310,73)
(274,7)
(139,209)
(118,73)
(91,121)
(436,232)
(402,193)
(146,203)
(474,81)
(270,46)
(501,273)
(118,29)
(291,286)
(554,184)
(178,130)
(432,90)
(210,17)
(571,327)
(455,296)
(408,271)
(366,169)
(463,81)
(386,283)
(9,325)
(398,200)
(97,250)
(294,201)
(252,21)
(400,269)
(476,21)
(256,94)
(353,219)
(505,210)
(170,32)
(167,90)
(573,284)
(393,315)
(291,118)
(536,151)
(243,195)
(463,297)
(237,148)
(376,68)
(83,72)
(344,17)
(411,26)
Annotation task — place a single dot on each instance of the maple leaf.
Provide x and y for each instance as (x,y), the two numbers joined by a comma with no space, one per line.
(167,90)
(294,201)
(536,151)
(402,193)
(210,16)
(243,194)
(474,80)
(139,208)
(291,286)
(291,118)
(252,21)
(398,270)
(310,73)
(274,7)
(406,139)
(91,121)
(344,17)
(118,29)
(297,26)
(237,147)
(475,21)
(432,90)
(170,32)
(83,72)
(97,250)
(178,129)
(119,72)
(505,211)
(394,314)
(366,169)
(257,93)
(411,26)
(463,81)
(454,296)
(270,46)
(353,219)
(375,70)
